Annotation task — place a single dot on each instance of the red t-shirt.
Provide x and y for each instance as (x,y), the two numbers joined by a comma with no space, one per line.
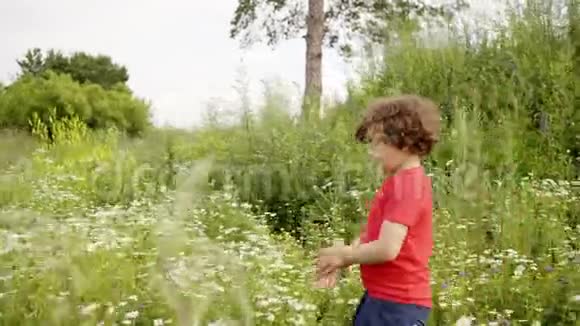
(404,198)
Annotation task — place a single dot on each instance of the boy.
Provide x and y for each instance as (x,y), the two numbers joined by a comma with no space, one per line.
(394,248)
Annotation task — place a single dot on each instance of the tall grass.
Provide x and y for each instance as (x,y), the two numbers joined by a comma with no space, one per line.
(506,249)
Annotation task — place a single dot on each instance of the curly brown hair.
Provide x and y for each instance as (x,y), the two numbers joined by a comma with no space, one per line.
(409,122)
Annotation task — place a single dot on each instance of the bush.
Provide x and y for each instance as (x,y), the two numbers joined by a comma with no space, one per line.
(97,107)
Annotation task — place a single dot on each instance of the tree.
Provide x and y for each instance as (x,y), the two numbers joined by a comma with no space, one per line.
(33,62)
(82,67)
(313,69)
(574,35)
(344,22)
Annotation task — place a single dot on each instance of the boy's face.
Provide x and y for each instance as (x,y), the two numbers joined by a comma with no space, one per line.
(390,157)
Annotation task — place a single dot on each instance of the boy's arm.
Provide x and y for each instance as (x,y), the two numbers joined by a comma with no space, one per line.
(385,248)
(356,241)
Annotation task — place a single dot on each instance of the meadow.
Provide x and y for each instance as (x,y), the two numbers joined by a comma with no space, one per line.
(220,226)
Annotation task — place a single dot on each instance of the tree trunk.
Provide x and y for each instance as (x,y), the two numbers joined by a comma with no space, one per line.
(314,37)
(574,30)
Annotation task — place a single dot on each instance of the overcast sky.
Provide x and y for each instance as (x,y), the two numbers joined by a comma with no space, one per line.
(177,52)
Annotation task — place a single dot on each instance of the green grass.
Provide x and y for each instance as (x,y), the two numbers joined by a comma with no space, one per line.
(14,146)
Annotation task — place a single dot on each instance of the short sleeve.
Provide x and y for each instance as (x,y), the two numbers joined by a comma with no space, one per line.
(406,199)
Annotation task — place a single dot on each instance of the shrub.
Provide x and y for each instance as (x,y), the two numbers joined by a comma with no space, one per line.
(97,107)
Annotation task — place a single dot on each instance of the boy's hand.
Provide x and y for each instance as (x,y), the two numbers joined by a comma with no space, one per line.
(327,282)
(331,259)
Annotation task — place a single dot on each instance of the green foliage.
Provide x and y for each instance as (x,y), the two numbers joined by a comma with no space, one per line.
(517,83)
(32,63)
(90,87)
(374,21)
(98,108)
(505,249)
(148,256)
(81,66)
(58,131)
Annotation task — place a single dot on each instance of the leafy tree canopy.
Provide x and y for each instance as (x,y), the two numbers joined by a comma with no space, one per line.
(82,67)
(345,20)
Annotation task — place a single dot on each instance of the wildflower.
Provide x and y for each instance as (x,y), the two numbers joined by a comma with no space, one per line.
(298,306)
(519,271)
(89,309)
(353,302)
(464,321)
(132,314)
(298,320)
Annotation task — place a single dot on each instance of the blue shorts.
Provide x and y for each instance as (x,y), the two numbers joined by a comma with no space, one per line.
(377,312)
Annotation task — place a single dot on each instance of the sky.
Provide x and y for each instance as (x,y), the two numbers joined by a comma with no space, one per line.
(177,52)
